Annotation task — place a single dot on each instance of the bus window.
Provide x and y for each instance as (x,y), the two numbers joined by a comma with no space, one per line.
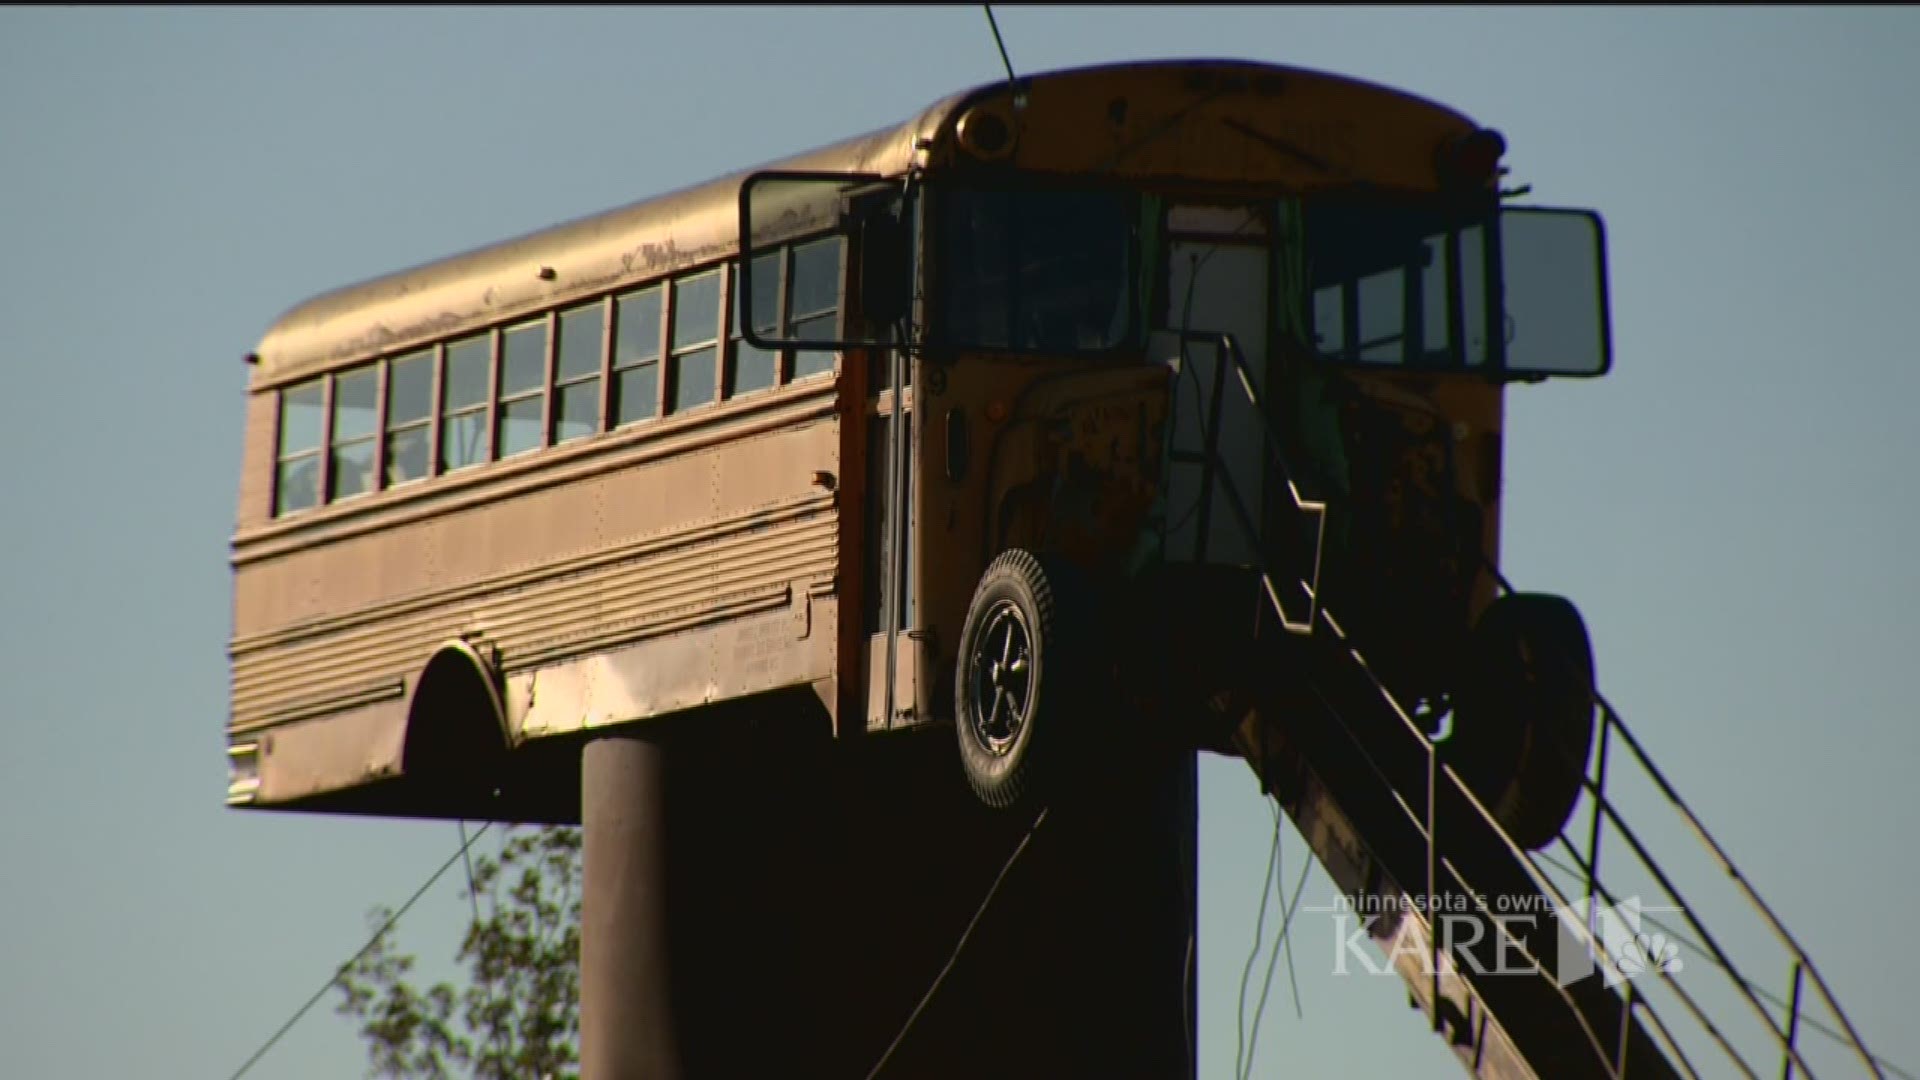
(463,420)
(1385,285)
(636,355)
(816,289)
(1330,320)
(696,332)
(1473,294)
(523,389)
(814,303)
(1432,280)
(750,368)
(297,473)
(1036,269)
(576,372)
(409,416)
(1382,307)
(356,396)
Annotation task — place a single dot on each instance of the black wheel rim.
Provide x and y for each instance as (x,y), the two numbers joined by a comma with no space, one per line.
(1000,676)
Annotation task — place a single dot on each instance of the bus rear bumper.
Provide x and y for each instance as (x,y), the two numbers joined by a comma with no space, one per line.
(303,758)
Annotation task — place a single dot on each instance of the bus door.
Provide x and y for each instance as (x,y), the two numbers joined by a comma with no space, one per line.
(892,540)
(1218,263)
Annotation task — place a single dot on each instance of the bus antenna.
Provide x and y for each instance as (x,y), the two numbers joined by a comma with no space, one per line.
(1013,84)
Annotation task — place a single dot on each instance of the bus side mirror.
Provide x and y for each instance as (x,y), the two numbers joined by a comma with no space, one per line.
(1553,282)
(781,301)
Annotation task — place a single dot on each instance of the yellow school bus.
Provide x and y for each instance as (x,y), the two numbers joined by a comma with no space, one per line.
(982,419)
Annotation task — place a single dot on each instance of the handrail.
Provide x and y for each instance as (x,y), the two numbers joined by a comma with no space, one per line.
(1231,348)
(1209,462)
(1611,721)
(1435,769)
(1603,807)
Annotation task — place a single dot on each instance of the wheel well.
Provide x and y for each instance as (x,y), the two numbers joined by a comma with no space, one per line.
(456,724)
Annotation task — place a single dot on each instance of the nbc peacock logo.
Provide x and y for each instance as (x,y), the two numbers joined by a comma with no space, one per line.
(1615,941)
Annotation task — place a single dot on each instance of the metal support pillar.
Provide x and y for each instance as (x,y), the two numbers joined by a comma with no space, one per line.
(627,1027)
(762,905)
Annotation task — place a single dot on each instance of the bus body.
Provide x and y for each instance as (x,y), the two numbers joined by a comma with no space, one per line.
(606,473)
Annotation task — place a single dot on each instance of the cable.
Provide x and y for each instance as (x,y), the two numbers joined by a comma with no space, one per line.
(985,901)
(362,951)
(1253,955)
(1286,924)
(998,41)
(1186,999)
(473,897)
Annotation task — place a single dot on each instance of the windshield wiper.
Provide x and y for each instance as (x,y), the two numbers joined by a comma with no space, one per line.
(1279,145)
(1169,124)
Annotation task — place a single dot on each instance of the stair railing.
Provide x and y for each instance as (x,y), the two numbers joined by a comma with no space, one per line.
(1613,729)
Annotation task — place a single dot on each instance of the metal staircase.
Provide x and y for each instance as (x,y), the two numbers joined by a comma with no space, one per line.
(1499,973)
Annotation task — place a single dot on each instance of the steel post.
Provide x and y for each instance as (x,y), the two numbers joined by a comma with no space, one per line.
(626,1015)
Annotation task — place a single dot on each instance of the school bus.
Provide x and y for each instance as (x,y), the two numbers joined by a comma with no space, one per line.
(972,420)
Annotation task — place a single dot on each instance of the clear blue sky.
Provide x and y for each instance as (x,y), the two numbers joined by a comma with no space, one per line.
(1730,508)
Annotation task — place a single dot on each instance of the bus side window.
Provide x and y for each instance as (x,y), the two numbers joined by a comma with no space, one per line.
(1330,320)
(696,337)
(636,355)
(1382,330)
(297,463)
(813,303)
(409,416)
(356,397)
(576,373)
(463,418)
(1473,292)
(750,368)
(1435,344)
(523,389)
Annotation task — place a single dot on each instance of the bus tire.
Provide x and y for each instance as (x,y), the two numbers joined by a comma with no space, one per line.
(1524,715)
(1020,670)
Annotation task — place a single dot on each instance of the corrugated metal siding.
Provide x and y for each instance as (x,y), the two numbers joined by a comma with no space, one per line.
(716,569)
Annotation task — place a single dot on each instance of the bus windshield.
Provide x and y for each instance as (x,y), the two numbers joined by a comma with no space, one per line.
(1041,269)
(1392,283)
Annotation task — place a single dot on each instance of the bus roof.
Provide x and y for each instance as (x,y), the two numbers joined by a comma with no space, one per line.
(633,243)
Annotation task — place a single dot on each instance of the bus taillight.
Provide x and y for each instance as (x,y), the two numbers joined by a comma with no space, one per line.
(243,772)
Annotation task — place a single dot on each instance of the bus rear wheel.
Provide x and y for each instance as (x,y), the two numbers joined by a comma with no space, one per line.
(1022,665)
(1524,715)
